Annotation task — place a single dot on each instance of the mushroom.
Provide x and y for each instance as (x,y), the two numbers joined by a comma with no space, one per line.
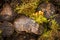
(47,8)
(7,13)
(25,24)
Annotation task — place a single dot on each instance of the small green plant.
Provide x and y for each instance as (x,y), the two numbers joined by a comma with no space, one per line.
(39,17)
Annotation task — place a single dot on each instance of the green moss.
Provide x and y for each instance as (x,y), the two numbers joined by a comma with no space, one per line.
(49,35)
(27,8)
(45,36)
(54,25)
